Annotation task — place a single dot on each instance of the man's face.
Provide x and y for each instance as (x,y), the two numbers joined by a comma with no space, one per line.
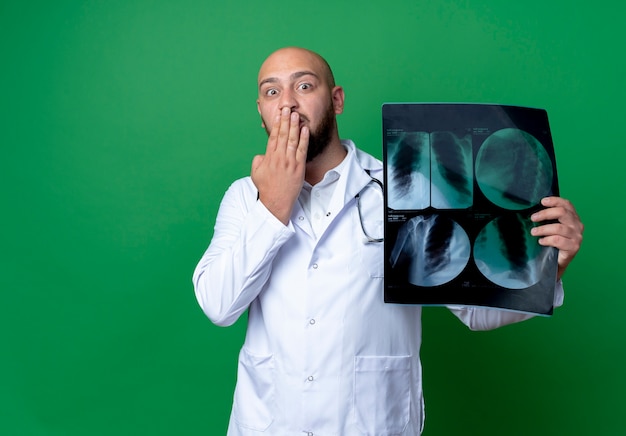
(297,79)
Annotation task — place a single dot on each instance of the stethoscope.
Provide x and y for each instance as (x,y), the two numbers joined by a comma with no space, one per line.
(357,199)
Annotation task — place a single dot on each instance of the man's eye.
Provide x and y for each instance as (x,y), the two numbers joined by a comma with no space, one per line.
(304,86)
(271,92)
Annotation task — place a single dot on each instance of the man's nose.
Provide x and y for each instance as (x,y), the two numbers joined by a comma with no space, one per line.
(288,99)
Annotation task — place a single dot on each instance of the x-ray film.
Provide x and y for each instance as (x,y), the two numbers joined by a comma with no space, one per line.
(460,184)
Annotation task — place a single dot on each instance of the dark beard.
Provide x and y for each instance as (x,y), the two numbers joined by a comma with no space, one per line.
(319,139)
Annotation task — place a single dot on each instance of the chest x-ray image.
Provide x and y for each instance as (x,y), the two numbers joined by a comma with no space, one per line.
(507,254)
(460,183)
(429,170)
(513,169)
(430,250)
(452,170)
(409,171)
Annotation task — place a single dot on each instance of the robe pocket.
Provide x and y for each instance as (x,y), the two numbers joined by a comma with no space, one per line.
(382,394)
(254,396)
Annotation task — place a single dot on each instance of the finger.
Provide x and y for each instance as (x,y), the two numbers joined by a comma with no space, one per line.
(558,220)
(256,161)
(303,145)
(551,213)
(557,201)
(550,229)
(556,208)
(272,140)
(558,235)
(294,134)
(567,246)
(283,130)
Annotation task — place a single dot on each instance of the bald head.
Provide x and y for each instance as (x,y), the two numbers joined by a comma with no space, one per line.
(289,57)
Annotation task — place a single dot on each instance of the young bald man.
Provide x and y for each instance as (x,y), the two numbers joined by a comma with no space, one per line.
(323,354)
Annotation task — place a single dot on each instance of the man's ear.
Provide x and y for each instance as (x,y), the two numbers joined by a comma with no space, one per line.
(338,97)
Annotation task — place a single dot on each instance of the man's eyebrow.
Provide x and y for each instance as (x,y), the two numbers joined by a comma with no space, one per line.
(299,74)
(293,76)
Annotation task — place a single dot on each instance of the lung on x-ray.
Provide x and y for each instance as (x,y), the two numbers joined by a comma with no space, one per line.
(460,183)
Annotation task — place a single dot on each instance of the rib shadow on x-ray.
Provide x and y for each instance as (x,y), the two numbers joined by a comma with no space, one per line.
(408,183)
(513,169)
(508,255)
(430,250)
(452,170)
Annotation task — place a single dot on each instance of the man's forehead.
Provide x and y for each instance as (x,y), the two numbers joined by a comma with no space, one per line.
(288,63)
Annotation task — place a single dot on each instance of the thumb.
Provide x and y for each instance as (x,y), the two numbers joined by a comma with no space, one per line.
(256,161)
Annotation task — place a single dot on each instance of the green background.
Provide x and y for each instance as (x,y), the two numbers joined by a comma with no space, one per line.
(123,122)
